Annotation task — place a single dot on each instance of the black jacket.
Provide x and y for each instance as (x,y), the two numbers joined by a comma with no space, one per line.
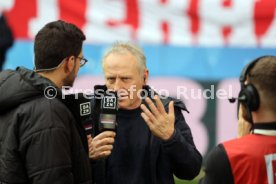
(177,156)
(40,141)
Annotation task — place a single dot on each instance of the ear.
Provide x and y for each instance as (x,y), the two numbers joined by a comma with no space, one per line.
(69,64)
(146,76)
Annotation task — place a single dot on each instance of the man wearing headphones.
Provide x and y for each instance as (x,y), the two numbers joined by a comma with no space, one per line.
(252,157)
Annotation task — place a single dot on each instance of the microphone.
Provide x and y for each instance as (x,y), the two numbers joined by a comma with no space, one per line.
(80,106)
(108,111)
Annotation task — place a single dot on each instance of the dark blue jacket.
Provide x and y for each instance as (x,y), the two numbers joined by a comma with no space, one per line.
(177,156)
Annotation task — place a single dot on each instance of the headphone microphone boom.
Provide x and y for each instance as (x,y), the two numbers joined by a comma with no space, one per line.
(232,100)
(240,99)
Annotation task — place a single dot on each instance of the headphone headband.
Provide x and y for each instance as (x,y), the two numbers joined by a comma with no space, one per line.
(247,69)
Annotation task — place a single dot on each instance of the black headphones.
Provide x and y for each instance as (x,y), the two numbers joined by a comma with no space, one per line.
(248,94)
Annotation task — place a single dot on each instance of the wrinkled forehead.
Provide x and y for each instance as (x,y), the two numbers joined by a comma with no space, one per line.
(120,64)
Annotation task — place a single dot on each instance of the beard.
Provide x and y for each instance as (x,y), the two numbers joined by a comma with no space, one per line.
(69,79)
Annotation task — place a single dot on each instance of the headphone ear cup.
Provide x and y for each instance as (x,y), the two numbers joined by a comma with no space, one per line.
(249,96)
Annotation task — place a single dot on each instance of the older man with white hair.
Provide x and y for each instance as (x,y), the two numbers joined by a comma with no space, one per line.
(152,142)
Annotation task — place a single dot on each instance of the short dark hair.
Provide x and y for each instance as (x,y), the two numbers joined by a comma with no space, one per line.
(263,77)
(56,41)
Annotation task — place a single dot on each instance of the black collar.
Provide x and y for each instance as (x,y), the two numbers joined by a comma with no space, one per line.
(265,126)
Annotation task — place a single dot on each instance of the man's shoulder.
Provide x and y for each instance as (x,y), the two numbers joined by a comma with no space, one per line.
(42,104)
(217,151)
(238,143)
(217,158)
(46,112)
(217,167)
(36,116)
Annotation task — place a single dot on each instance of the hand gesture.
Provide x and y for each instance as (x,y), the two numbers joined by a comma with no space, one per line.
(160,123)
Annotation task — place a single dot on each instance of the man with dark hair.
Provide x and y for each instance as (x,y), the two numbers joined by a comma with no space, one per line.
(40,140)
(6,39)
(153,142)
(250,158)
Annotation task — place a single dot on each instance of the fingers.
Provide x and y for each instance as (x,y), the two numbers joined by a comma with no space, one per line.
(157,111)
(159,105)
(105,134)
(102,151)
(89,141)
(147,120)
(101,146)
(105,148)
(104,141)
(99,155)
(152,107)
(158,108)
(171,109)
(160,123)
(147,113)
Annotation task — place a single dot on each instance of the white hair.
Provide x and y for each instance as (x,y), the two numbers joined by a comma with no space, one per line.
(127,47)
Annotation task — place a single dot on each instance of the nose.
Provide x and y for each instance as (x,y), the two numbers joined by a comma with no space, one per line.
(117,85)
